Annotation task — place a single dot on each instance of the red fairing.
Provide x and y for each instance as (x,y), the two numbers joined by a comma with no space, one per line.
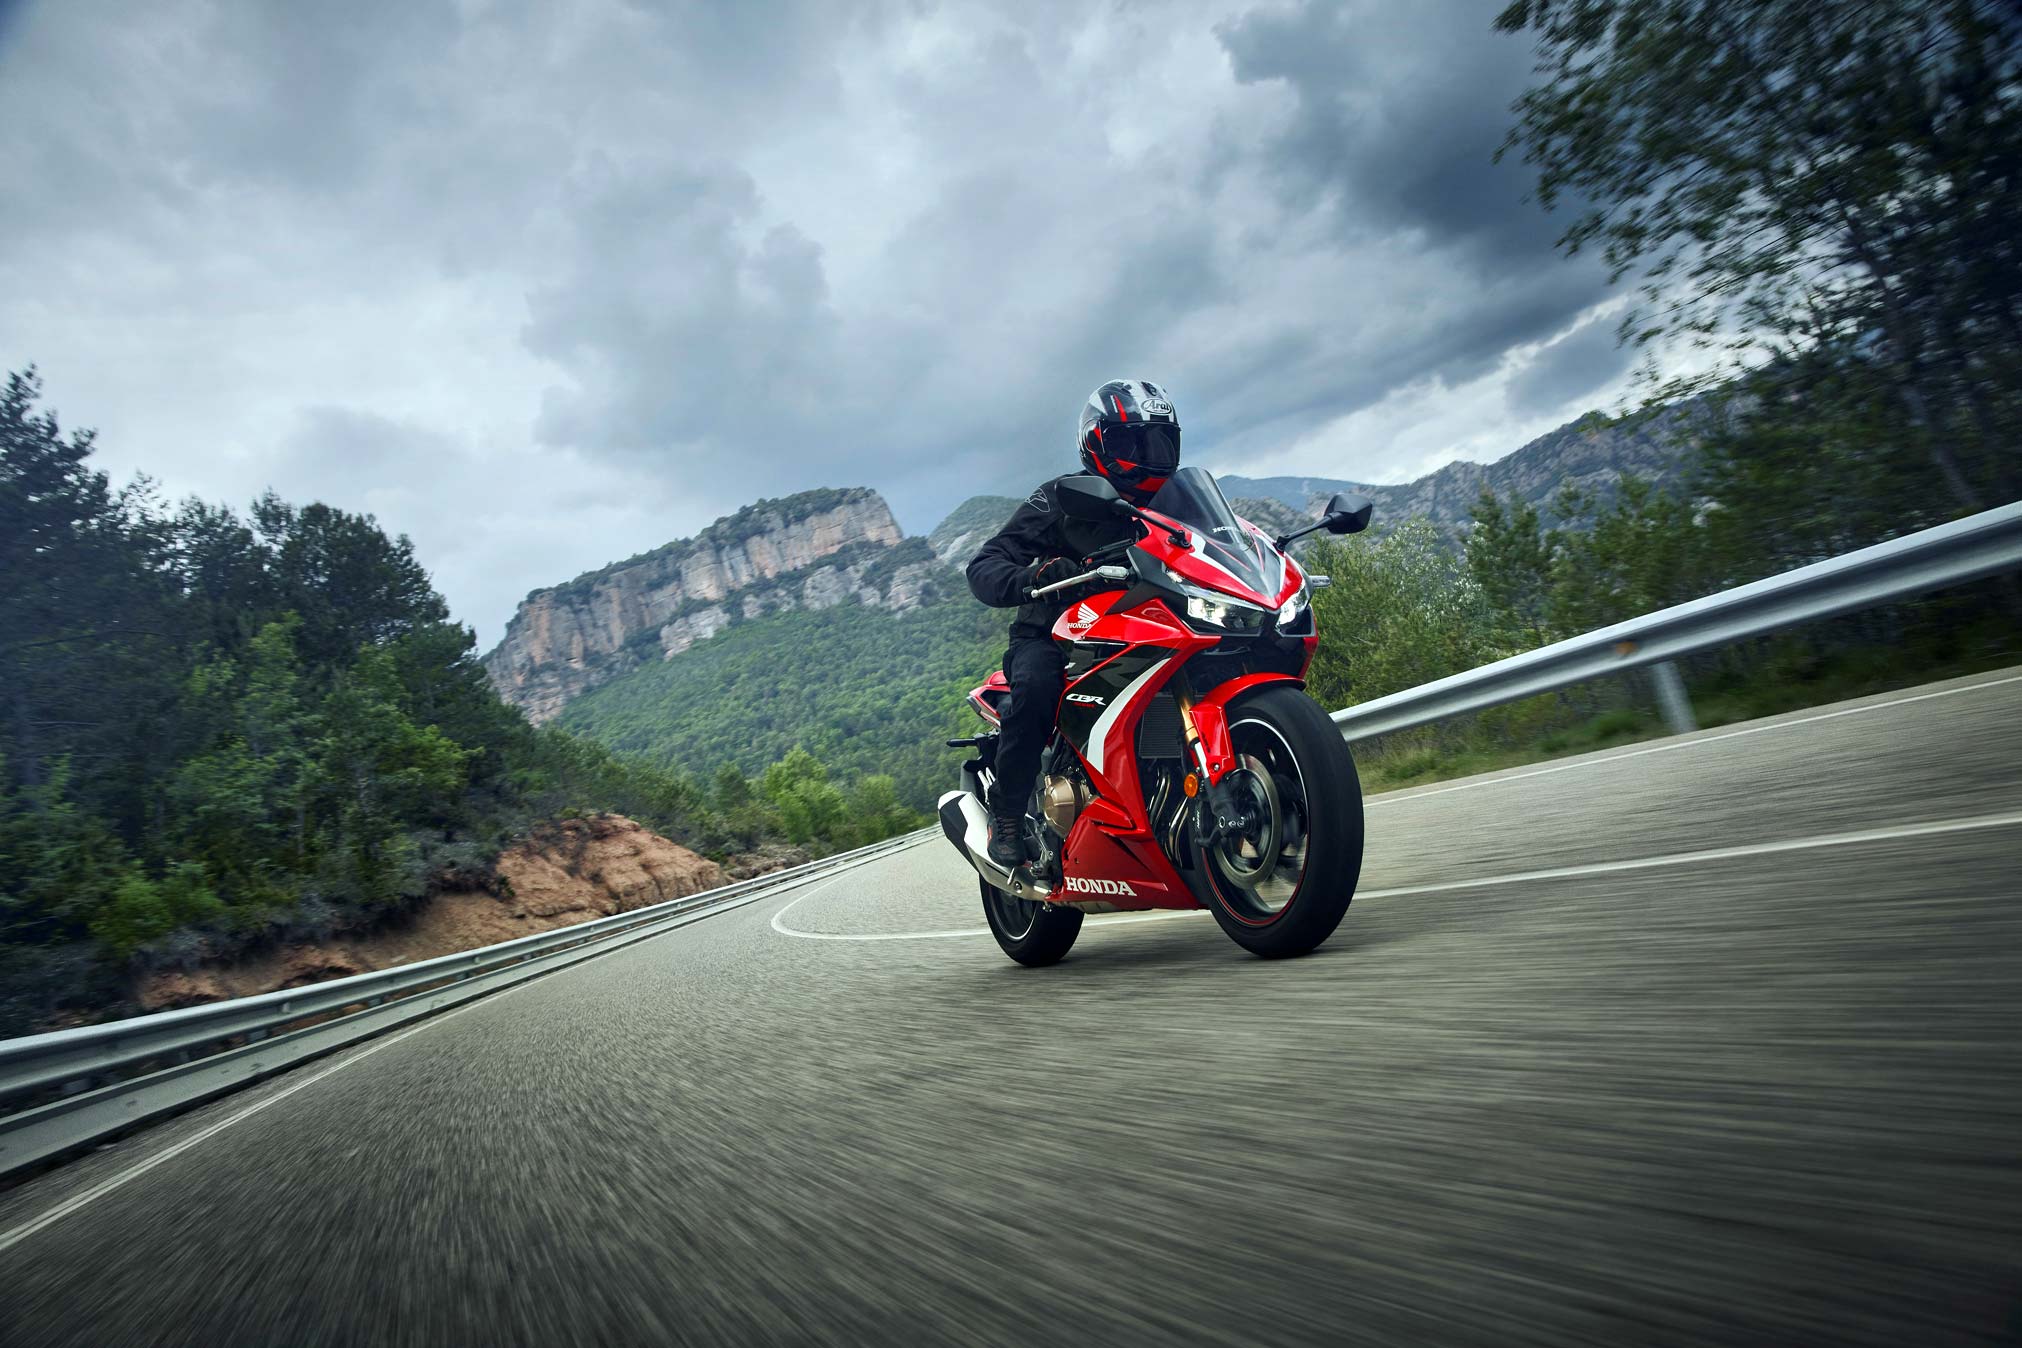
(1124,869)
(1076,621)
(1194,564)
(1211,716)
(1111,758)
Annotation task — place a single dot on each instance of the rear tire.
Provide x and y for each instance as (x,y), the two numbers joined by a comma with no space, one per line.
(1300,775)
(1028,932)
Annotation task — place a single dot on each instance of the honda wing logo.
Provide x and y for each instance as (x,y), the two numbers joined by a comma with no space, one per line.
(1082,618)
(1081,884)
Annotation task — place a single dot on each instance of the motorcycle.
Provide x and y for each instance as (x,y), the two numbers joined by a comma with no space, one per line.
(1188,768)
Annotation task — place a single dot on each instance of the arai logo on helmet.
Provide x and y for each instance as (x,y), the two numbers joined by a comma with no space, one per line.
(1155,406)
(1081,884)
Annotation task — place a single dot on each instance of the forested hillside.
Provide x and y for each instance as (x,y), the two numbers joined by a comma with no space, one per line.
(864,689)
(219,731)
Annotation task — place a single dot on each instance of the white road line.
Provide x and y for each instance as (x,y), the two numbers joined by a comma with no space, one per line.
(1870,835)
(1407,795)
(1867,835)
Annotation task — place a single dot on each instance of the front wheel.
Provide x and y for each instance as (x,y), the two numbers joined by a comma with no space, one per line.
(1031,933)
(1282,882)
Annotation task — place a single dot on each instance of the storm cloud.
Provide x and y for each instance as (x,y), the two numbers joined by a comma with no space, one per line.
(543,286)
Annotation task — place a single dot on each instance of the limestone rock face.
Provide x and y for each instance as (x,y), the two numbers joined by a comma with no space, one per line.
(813,550)
(700,625)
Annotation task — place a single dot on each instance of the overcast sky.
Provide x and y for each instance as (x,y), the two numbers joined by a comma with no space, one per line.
(546,284)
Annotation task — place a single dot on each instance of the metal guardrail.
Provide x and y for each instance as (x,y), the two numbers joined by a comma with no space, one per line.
(68,1088)
(1965,550)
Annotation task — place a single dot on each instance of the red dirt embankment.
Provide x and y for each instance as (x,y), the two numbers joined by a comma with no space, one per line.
(566,872)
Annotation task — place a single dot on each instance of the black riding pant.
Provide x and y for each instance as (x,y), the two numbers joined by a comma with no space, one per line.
(1038,674)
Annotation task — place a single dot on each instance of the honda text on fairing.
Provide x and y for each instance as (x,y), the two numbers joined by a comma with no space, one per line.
(1188,768)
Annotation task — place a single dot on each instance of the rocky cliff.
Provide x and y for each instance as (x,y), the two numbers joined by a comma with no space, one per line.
(565,872)
(956,538)
(812,550)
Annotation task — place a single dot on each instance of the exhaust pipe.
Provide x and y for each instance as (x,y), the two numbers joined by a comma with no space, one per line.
(967,825)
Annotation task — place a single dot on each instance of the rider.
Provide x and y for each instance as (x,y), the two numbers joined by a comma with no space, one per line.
(1130,435)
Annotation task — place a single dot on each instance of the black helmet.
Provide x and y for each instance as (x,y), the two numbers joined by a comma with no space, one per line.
(1130,435)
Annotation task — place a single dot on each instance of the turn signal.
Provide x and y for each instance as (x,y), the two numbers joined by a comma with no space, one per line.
(1192,785)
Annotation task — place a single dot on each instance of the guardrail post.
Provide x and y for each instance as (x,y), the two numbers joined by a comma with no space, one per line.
(1671,698)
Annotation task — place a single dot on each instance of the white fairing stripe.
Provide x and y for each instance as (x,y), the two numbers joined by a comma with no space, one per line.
(1098,738)
(1198,546)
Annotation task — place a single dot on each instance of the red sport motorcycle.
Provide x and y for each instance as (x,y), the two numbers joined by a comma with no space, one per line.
(1188,768)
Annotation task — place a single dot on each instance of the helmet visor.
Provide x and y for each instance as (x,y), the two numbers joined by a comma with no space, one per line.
(1149,446)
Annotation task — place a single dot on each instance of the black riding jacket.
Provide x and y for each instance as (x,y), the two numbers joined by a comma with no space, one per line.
(1002,570)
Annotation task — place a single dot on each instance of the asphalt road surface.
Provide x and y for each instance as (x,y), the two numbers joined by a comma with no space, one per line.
(1714,1040)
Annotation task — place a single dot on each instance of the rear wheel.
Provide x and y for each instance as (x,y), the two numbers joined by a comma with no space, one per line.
(1029,932)
(1281,882)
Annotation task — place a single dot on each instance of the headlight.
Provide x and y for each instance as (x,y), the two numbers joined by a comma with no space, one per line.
(1293,609)
(1232,615)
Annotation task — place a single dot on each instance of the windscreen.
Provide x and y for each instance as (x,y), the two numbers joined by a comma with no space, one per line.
(1192,498)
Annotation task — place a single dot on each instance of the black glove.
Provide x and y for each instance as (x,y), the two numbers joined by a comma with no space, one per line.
(1051,571)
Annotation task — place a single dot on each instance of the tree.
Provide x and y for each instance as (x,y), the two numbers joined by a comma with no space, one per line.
(1786,176)
(241,801)
(1645,551)
(876,812)
(352,585)
(375,773)
(58,863)
(1510,555)
(810,807)
(83,598)
(1401,611)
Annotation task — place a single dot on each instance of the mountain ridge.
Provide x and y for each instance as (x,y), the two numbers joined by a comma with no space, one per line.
(1592,452)
(813,549)
(819,549)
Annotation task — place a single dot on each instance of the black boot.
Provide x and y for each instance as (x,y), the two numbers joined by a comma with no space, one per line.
(1007,838)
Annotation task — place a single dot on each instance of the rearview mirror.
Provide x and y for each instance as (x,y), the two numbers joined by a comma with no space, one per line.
(1087,497)
(1347,513)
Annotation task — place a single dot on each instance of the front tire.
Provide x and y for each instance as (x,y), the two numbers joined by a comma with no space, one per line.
(1031,933)
(1282,887)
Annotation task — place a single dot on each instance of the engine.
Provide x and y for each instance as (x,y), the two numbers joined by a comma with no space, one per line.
(1062,800)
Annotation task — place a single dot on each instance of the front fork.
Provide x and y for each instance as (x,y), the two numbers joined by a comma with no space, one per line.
(1210,755)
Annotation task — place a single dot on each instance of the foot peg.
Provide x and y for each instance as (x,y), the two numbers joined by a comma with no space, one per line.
(967,825)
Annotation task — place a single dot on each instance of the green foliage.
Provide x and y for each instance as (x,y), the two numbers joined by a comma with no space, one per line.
(229,727)
(865,690)
(60,863)
(1810,181)
(1401,611)
(143,910)
(1510,555)
(809,805)
(1645,551)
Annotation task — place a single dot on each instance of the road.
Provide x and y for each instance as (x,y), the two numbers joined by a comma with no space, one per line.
(1714,1040)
